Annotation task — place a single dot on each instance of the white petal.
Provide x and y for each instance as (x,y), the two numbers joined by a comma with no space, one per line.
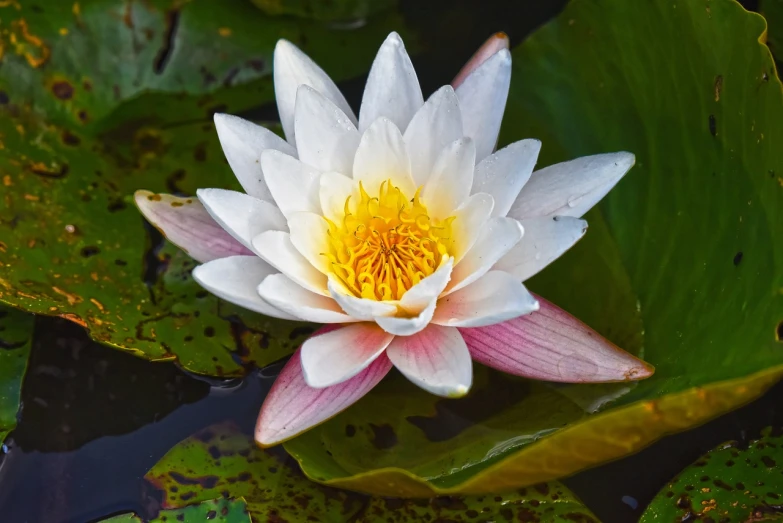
(242,216)
(382,156)
(341,354)
(504,173)
(436,359)
(310,236)
(276,248)
(469,222)
(235,279)
(482,98)
(325,137)
(571,188)
(292,68)
(360,308)
(392,89)
(428,289)
(243,142)
(433,127)
(495,297)
(294,185)
(497,238)
(290,297)
(403,326)
(452,176)
(544,241)
(334,192)
(419,302)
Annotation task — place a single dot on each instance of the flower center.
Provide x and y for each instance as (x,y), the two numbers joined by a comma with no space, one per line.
(386,244)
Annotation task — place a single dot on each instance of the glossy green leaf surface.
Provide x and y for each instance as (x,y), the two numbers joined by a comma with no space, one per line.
(733,482)
(16,336)
(682,263)
(220,460)
(773,13)
(83,126)
(346,11)
(218,510)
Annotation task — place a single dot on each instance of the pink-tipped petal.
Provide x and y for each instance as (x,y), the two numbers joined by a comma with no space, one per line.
(494,43)
(292,407)
(187,224)
(341,354)
(552,345)
(436,359)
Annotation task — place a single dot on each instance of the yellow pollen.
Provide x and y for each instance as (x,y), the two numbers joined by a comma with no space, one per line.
(386,244)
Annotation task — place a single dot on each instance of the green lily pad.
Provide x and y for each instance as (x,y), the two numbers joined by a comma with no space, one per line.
(103,98)
(16,336)
(218,510)
(334,10)
(220,460)
(733,482)
(773,12)
(682,264)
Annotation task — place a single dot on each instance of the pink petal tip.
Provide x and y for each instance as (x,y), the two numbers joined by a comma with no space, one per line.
(293,407)
(552,345)
(186,223)
(494,43)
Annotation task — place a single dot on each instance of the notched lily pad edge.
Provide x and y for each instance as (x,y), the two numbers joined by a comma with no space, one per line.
(569,447)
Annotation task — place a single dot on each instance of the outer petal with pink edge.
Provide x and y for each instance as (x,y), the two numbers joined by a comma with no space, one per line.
(293,407)
(187,224)
(494,43)
(552,345)
(436,359)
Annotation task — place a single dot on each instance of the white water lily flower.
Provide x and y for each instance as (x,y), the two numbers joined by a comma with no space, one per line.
(402,224)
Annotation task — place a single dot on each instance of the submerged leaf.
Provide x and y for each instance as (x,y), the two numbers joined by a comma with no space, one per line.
(218,510)
(16,336)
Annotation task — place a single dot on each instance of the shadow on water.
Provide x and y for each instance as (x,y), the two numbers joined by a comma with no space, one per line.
(94,420)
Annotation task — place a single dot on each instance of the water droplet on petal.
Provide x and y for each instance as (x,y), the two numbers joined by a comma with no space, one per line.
(573,201)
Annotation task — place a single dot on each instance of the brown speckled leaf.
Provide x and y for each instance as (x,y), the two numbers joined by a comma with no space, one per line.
(733,482)
(99,99)
(221,461)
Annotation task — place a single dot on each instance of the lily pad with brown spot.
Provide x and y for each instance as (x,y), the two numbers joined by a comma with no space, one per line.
(16,336)
(221,461)
(736,481)
(218,511)
(102,98)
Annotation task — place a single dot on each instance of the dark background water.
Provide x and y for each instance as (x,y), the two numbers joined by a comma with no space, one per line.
(94,420)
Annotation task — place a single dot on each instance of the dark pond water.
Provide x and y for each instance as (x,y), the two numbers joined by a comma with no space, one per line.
(94,420)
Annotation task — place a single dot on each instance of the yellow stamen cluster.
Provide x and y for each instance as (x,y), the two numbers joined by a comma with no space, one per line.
(386,244)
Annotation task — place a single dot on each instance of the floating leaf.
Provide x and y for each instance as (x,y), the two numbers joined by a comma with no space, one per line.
(218,510)
(335,10)
(773,12)
(733,482)
(682,263)
(16,336)
(220,460)
(83,126)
